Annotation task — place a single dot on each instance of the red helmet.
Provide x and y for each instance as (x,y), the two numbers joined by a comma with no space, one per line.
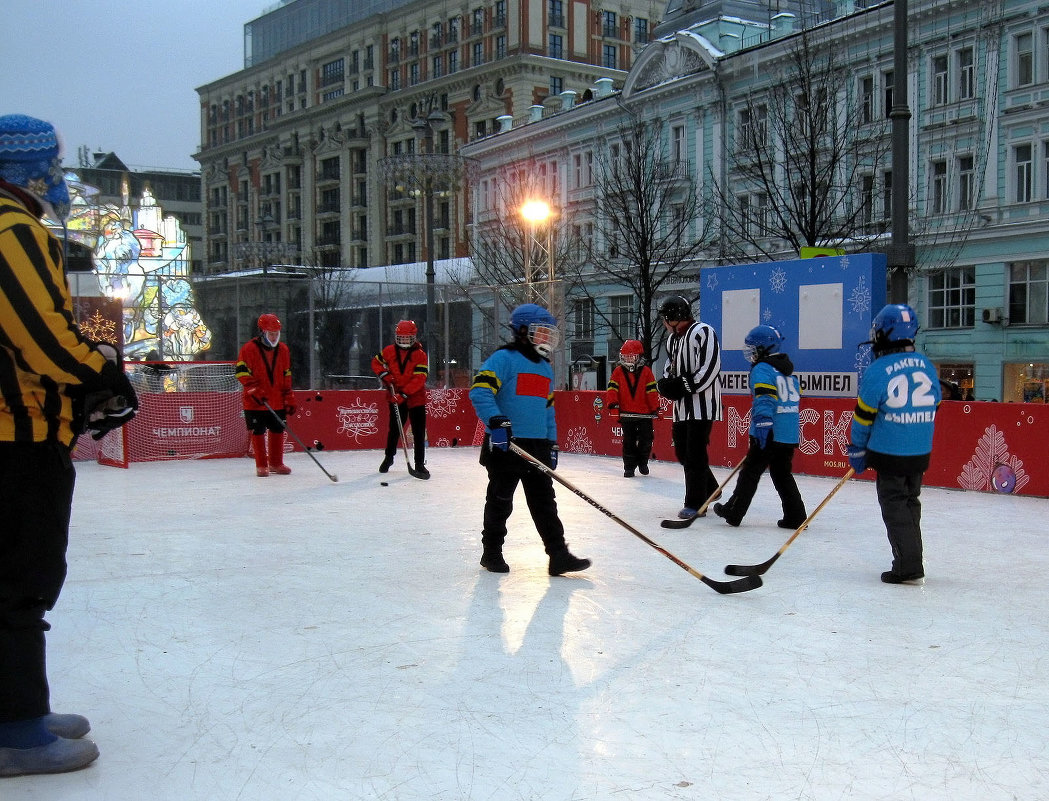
(405,333)
(631,352)
(269,322)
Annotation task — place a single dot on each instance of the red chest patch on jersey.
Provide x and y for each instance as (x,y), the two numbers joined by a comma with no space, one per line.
(532,385)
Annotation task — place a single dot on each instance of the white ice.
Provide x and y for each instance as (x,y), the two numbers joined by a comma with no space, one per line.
(291,638)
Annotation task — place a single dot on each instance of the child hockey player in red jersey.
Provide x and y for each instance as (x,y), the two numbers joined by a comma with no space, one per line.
(774,430)
(403,368)
(632,396)
(264,368)
(892,429)
(513,393)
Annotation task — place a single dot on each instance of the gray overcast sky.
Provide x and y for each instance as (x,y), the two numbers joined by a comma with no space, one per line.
(120,75)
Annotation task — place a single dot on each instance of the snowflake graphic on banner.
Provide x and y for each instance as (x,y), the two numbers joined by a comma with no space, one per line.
(863,359)
(577,441)
(442,403)
(99,329)
(712,280)
(778,280)
(860,298)
(992,467)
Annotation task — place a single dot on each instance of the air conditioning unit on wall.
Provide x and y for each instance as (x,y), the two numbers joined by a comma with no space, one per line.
(992,315)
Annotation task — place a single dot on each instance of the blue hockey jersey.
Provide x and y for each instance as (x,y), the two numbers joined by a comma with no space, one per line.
(896,408)
(511,384)
(777,394)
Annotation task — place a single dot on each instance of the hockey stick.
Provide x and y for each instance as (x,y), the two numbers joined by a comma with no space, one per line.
(724,587)
(639,416)
(285,426)
(758,570)
(678,523)
(396,412)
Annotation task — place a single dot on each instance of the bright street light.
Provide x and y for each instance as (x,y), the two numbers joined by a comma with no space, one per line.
(536,211)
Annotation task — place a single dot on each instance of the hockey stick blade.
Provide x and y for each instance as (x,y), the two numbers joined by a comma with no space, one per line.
(677,522)
(744,584)
(759,570)
(416,474)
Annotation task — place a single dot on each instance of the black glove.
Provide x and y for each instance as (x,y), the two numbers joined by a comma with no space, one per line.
(554,451)
(672,388)
(109,415)
(501,432)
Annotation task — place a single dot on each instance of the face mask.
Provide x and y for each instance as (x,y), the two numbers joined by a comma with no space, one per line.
(271,337)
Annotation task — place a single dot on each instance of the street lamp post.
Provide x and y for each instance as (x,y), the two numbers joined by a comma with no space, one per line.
(540,280)
(424,128)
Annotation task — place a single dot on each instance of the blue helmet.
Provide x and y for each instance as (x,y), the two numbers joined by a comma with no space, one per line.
(762,341)
(894,327)
(529,313)
(541,327)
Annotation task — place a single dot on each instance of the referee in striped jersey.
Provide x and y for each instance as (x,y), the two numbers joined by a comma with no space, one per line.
(690,380)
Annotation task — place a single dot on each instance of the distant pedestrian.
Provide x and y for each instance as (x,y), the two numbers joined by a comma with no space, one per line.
(892,428)
(264,369)
(632,396)
(775,429)
(403,368)
(513,394)
(690,380)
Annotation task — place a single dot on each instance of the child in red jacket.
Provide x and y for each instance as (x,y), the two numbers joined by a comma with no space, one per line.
(632,395)
(264,369)
(403,368)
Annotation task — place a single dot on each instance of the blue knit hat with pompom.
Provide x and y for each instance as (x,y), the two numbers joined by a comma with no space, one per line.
(30,157)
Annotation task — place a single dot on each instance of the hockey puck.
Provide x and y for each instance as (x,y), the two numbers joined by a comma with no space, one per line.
(319,396)
(384,483)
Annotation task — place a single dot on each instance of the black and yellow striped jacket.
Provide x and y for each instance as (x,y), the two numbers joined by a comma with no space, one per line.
(42,352)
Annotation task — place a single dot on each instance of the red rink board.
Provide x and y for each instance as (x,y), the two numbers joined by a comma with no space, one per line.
(995,447)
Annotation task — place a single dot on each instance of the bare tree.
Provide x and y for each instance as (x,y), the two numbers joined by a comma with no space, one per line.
(799,161)
(648,230)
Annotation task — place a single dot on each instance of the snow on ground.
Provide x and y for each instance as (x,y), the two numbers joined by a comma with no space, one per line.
(292,638)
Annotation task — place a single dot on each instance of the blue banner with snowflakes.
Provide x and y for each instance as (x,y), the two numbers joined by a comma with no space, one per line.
(823,307)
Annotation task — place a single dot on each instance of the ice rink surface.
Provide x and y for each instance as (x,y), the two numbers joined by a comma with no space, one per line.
(295,639)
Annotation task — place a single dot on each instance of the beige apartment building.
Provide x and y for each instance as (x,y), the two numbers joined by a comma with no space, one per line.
(318,151)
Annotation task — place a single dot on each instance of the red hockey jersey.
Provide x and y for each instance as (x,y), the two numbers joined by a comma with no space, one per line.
(265,373)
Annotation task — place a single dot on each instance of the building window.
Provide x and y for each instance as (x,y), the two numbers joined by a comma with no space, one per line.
(555,46)
(608,56)
(966,59)
(887,80)
(500,13)
(583,319)
(395,79)
(678,148)
(940,89)
(966,183)
(640,30)
(938,187)
(478,54)
(866,99)
(437,66)
(453,61)
(1023,48)
(1023,177)
(332,72)
(866,200)
(557,85)
(500,46)
(952,298)
(555,15)
(413,74)
(623,318)
(609,25)
(1029,293)
(886,195)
